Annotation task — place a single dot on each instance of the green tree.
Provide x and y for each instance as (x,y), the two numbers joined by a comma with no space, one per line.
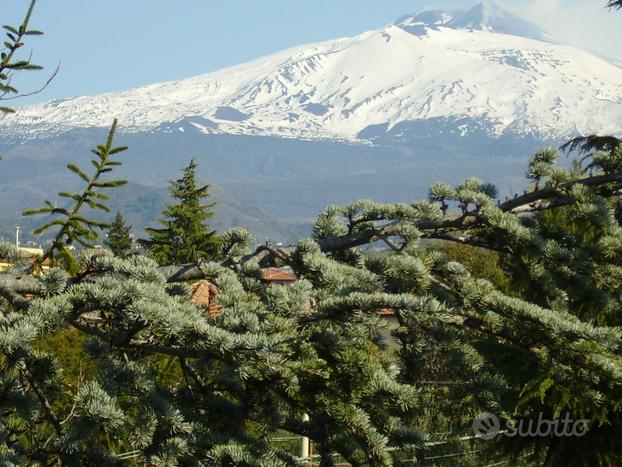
(309,359)
(481,262)
(185,237)
(10,63)
(70,223)
(118,238)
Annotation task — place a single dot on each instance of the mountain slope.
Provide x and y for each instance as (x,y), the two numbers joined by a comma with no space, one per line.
(483,64)
(436,95)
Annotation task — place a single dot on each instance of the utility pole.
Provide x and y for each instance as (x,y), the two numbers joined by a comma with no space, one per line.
(304,448)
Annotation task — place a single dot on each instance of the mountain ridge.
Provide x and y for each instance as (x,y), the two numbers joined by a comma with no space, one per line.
(459,66)
(379,115)
(483,16)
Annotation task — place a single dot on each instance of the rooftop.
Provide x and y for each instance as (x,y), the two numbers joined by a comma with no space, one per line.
(277,275)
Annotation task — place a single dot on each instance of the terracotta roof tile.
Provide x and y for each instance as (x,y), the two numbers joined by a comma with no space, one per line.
(276,275)
(204,294)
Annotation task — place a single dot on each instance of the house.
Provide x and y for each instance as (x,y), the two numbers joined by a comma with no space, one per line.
(278,276)
(203,293)
(31,255)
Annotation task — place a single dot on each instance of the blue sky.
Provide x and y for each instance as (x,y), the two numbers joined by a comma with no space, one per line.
(118,44)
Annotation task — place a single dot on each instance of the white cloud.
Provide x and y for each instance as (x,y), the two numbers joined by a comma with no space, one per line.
(583,23)
(586,24)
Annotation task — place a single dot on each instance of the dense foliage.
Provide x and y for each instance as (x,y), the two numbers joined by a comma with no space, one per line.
(173,382)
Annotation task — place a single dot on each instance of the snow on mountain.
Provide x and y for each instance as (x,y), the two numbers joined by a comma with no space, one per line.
(481,65)
(485,16)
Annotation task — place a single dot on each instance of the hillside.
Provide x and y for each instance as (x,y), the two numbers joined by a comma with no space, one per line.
(379,115)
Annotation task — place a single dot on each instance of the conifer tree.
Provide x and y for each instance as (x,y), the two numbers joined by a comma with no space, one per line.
(70,223)
(176,383)
(184,237)
(10,63)
(118,238)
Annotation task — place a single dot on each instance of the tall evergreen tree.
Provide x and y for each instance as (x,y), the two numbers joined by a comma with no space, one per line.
(185,237)
(119,239)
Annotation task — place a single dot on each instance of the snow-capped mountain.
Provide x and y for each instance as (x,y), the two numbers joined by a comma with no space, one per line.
(442,95)
(486,16)
(481,69)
